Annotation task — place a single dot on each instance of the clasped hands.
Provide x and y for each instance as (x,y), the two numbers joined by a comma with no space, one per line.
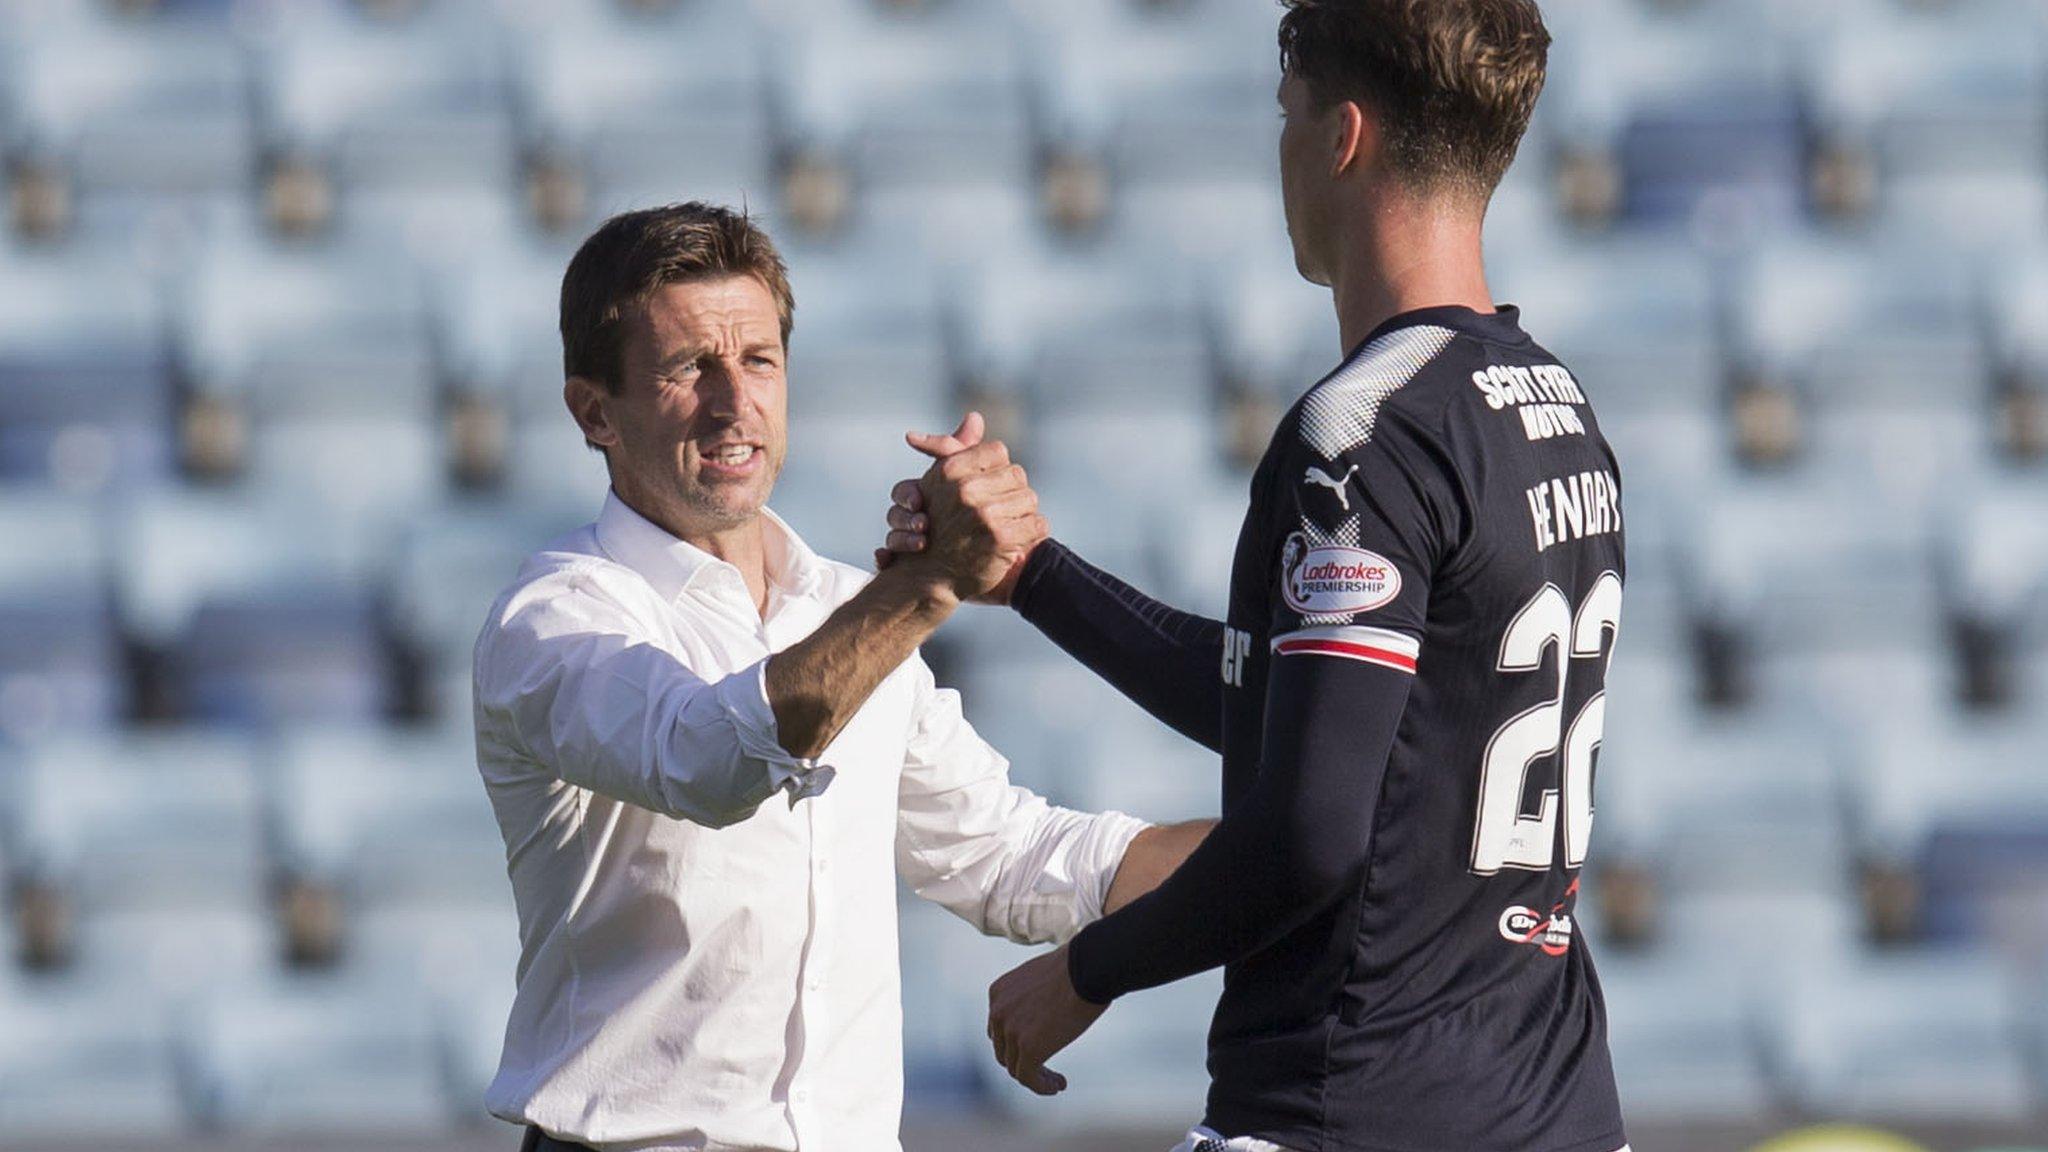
(974,517)
(971,519)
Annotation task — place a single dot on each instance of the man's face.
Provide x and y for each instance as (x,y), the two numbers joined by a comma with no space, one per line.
(701,415)
(1304,177)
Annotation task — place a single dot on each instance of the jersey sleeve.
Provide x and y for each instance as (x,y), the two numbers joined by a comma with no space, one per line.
(1366,511)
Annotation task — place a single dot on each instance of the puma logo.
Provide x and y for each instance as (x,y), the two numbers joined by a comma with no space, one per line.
(1318,476)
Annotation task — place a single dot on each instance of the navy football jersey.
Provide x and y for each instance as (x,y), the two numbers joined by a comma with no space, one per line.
(1442,505)
(1408,700)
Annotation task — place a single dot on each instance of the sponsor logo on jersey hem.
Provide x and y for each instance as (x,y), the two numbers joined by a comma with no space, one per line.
(1335,580)
(1551,933)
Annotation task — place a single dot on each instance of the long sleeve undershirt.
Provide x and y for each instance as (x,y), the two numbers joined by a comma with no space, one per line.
(1299,839)
(1167,661)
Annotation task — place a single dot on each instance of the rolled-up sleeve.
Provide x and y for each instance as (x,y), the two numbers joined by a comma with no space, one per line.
(577,686)
(997,855)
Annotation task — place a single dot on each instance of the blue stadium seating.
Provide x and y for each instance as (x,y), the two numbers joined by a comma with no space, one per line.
(78,1063)
(60,658)
(329,353)
(1683,1033)
(320,1054)
(947,968)
(1113,360)
(415,104)
(85,390)
(1961,808)
(1159,105)
(608,99)
(131,110)
(1774,558)
(1740,807)
(386,818)
(1883,341)
(1943,91)
(393,385)
(1996,553)
(940,99)
(1638,322)
(1930,1034)
(1698,116)
(142,822)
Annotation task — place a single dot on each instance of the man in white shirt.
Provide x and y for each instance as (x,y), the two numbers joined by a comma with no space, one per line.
(711,752)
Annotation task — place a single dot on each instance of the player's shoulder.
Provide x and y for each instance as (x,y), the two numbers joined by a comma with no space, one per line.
(1411,378)
(1394,385)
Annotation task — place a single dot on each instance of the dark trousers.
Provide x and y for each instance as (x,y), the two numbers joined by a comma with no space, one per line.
(539,1141)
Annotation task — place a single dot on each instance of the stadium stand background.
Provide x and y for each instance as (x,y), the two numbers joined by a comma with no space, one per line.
(279,412)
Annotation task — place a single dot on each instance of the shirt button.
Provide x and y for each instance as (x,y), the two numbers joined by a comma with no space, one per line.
(824,866)
(801,1096)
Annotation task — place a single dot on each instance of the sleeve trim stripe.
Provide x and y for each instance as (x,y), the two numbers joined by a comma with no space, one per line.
(1347,651)
(1385,639)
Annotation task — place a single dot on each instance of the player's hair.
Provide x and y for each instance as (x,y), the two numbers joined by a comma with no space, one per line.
(634,253)
(1453,82)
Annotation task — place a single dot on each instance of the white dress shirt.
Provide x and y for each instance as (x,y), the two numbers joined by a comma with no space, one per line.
(708,951)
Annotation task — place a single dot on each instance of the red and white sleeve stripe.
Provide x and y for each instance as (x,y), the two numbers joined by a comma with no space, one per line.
(1351,642)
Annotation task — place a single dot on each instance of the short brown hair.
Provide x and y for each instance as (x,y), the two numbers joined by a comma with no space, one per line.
(1453,82)
(634,253)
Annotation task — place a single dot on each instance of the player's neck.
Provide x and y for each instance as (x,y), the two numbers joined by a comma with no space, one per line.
(1408,254)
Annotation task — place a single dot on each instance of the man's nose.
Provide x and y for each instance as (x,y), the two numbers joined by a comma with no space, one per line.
(721,389)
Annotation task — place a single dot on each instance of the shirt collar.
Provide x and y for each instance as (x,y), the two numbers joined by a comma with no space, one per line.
(672,566)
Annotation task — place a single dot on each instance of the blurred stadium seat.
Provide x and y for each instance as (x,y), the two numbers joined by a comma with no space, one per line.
(604,106)
(61,663)
(1680,111)
(85,369)
(1927,1034)
(127,109)
(1684,1035)
(346,100)
(80,1063)
(320,1055)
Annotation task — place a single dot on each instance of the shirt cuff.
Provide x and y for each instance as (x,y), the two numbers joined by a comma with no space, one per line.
(744,698)
(1098,856)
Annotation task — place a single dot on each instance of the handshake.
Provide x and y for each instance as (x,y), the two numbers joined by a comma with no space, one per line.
(970,521)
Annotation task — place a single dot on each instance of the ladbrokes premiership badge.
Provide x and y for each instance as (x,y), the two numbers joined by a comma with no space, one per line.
(1334,580)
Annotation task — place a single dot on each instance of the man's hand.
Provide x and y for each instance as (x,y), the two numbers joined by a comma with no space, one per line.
(978,517)
(910,520)
(1033,1012)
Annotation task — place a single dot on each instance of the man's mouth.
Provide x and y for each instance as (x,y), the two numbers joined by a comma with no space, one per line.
(739,457)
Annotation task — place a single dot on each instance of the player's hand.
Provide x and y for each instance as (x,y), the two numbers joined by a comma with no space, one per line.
(910,522)
(1034,1012)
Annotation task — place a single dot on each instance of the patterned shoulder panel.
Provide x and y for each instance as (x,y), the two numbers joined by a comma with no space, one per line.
(1339,414)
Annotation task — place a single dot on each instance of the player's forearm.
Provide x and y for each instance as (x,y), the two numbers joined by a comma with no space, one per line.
(1165,660)
(1298,843)
(817,684)
(1153,856)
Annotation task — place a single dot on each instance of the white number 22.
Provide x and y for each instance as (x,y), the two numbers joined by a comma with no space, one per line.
(1504,837)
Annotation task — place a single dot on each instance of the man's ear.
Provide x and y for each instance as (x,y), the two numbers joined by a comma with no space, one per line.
(1354,138)
(589,403)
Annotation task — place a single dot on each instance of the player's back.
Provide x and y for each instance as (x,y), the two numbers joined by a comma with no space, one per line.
(1442,505)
